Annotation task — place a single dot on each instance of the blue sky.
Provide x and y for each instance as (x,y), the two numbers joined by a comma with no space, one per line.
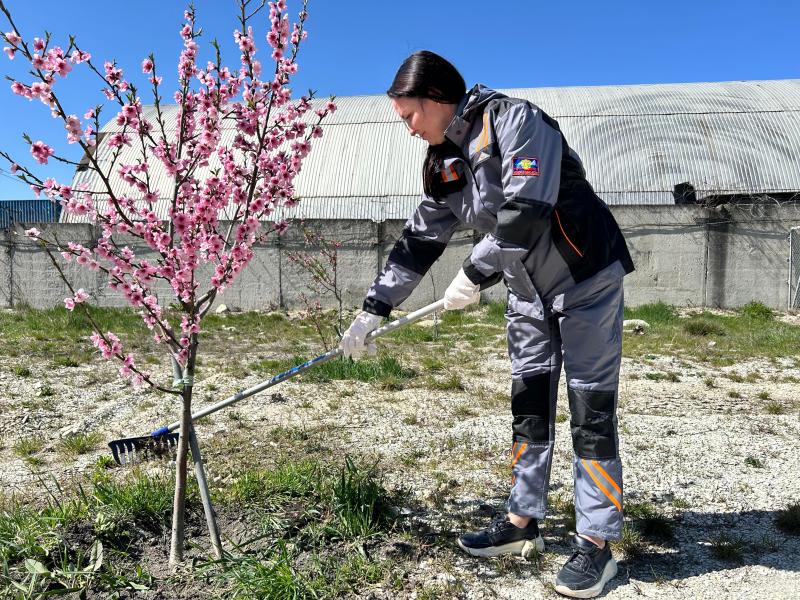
(355,46)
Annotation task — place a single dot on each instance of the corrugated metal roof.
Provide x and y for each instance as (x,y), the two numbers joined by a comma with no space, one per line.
(28,211)
(636,143)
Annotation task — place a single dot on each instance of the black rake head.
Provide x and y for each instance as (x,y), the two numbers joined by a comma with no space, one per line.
(139,449)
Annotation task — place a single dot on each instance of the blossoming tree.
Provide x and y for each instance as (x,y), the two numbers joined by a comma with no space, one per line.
(221,186)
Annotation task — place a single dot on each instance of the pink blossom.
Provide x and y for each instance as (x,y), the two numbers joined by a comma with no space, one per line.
(73,127)
(79,57)
(281,226)
(13,168)
(10,52)
(38,44)
(147,65)
(41,152)
(33,233)
(20,90)
(12,37)
(81,295)
(69,304)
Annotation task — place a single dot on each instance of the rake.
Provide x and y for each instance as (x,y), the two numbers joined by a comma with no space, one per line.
(164,440)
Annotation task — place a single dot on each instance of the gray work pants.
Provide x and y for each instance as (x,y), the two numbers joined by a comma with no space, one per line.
(582,330)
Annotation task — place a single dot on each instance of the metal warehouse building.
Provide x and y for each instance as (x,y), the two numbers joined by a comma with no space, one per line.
(702,177)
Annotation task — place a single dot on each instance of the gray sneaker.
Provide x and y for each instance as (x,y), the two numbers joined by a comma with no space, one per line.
(587,571)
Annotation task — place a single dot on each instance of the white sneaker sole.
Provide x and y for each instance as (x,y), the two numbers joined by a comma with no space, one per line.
(609,571)
(524,548)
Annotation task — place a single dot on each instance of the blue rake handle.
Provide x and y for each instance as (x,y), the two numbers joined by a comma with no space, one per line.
(389,327)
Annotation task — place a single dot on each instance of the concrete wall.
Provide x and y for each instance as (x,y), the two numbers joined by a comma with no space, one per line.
(684,255)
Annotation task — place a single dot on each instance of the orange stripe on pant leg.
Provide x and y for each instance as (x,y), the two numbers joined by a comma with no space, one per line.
(607,476)
(608,494)
(516,458)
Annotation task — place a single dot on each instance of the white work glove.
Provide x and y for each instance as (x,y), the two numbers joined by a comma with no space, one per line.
(352,343)
(461,292)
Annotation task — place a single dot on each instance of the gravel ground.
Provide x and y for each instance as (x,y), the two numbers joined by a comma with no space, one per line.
(713,463)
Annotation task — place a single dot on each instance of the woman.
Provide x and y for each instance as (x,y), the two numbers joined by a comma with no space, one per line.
(501,166)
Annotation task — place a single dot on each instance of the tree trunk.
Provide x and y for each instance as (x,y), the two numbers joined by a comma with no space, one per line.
(179,502)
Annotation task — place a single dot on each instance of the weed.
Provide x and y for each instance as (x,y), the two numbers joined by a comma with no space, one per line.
(735,377)
(28,446)
(561,418)
(648,520)
(46,391)
(680,503)
(788,519)
(763,395)
(703,327)
(758,311)
(734,394)
(709,382)
(668,376)
(657,313)
(564,506)
(66,361)
(360,502)
(752,461)
(22,371)
(630,544)
(464,412)
(411,419)
(774,408)
(450,383)
(430,363)
(79,443)
(726,547)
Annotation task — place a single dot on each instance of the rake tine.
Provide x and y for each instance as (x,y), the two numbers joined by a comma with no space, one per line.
(127,451)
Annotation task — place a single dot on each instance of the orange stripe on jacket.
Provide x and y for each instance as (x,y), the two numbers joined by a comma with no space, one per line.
(566,237)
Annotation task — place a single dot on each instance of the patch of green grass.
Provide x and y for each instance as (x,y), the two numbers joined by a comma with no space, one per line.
(562,505)
(774,408)
(561,417)
(788,519)
(737,337)
(763,395)
(752,461)
(73,360)
(630,544)
(264,488)
(657,313)
(680,503)
(21,371)
(464,412)
(79,443)
(431,363)
(28,446)
(757,310)
(703,327)
(658,376)
(413,334)
(648,520)
(450,383)
(496,313)
(726,547)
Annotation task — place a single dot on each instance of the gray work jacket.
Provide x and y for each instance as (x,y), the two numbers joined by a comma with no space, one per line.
(513,177)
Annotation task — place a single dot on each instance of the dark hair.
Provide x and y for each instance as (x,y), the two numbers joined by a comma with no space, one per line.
(425,74)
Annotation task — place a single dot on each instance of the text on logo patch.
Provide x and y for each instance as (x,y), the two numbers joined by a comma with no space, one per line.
(526,166)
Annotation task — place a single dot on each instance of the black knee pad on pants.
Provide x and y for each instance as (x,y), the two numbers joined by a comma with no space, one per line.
(592,423)
(530,406)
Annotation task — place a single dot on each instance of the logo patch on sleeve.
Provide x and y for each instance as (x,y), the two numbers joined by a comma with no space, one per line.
(525,166)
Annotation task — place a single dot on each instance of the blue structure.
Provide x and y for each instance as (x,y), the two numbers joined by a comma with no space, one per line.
(28,211)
